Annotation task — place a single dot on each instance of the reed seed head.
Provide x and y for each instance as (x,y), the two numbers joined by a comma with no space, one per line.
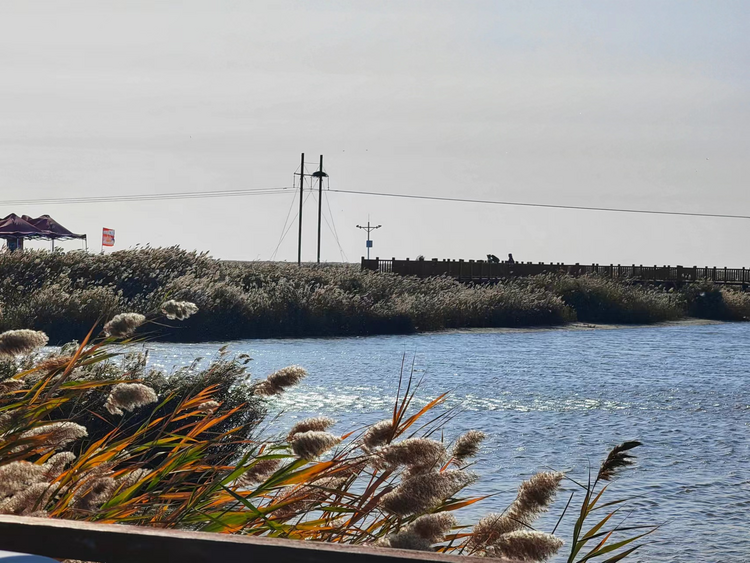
(29,500)
(490,528)
(259,472)
(129,396)
(95,493)
(433,527)
(55,465)
(617,459)
(57,434)
(526,545)
(24,341)
(414,452)
(303,499)
(17,475)
(208,407)
(318,423)
(535,496)
(312,444)
(10,385)
(278,381)
(124,324)
(467,445)
(54,363)
(407,539)
(179,310)
(425,491)
(378,434)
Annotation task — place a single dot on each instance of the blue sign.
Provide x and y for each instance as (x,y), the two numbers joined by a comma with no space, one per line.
(369,244)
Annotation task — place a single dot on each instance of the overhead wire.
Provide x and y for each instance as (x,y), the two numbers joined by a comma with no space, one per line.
(284,230)
(147,197)
(280,190)
(546,205)
(335,232)
(335,236)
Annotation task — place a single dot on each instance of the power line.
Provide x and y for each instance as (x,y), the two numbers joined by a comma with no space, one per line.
(546,205)
(146,197)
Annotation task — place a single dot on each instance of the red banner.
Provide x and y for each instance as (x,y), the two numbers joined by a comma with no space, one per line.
(108,237)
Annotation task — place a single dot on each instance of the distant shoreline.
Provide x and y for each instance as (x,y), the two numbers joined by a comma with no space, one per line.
(66,294)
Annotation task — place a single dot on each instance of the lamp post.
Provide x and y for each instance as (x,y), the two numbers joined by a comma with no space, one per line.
(369,229)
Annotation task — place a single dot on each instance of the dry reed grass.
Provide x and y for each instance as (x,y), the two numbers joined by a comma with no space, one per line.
(187,457)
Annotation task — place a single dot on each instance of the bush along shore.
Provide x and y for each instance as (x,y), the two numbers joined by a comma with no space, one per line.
(64,294)
(90,433)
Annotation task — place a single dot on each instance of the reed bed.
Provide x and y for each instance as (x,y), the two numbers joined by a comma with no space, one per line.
(63,294)
(89,433)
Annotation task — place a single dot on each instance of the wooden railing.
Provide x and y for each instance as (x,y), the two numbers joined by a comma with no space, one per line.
(65,539)
(480,270)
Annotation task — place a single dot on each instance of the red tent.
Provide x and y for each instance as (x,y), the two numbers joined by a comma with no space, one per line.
(51,228)
(14,227)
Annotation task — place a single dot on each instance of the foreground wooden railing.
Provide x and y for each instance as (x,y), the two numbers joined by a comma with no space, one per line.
(108,543)
(480,270)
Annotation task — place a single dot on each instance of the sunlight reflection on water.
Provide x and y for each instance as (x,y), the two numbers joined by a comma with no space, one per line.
(558,399)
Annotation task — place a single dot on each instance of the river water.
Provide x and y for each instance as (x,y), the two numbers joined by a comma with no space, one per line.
(559,399)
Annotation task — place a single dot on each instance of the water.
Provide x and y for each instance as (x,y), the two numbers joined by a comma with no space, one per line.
(560,399)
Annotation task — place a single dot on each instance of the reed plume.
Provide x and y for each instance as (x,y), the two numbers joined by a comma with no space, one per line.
(280,380)
(29,501)
(318,423)
(11,385)
(95,492)
(407,539)
(526,545)
(617,459)
(534,497)
(179,310)
(208,407)
(259,472)
(312,444)
(422,492)
(467,445)
(23,341)
(378,434)
(55,435)
(421,453)
(18,475)
(129,396)
(124,324)
(433,527)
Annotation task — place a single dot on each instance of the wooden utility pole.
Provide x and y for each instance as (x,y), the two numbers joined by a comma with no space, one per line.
(320,201)
(301,194)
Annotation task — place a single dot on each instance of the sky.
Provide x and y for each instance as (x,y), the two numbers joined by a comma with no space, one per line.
(635,104)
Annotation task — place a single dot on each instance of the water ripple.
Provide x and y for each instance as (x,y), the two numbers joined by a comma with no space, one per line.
(560,399)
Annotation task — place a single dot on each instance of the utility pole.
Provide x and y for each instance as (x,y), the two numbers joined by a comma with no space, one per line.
(320,175)
(369,229)
(301,194)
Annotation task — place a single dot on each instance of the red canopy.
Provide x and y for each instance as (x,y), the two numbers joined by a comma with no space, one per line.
(51,228)
(15,227)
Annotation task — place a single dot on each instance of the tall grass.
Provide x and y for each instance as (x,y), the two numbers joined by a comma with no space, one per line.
(63,294)
(88,434)
(601,300)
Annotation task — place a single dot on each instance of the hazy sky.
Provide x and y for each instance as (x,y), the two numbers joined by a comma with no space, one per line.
(617,104)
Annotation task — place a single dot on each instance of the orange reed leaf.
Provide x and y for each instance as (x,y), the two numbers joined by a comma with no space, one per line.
(305,474)
(450,506)
(413,418)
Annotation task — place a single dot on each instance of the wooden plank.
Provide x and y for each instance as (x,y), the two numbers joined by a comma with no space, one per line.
(125,544)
